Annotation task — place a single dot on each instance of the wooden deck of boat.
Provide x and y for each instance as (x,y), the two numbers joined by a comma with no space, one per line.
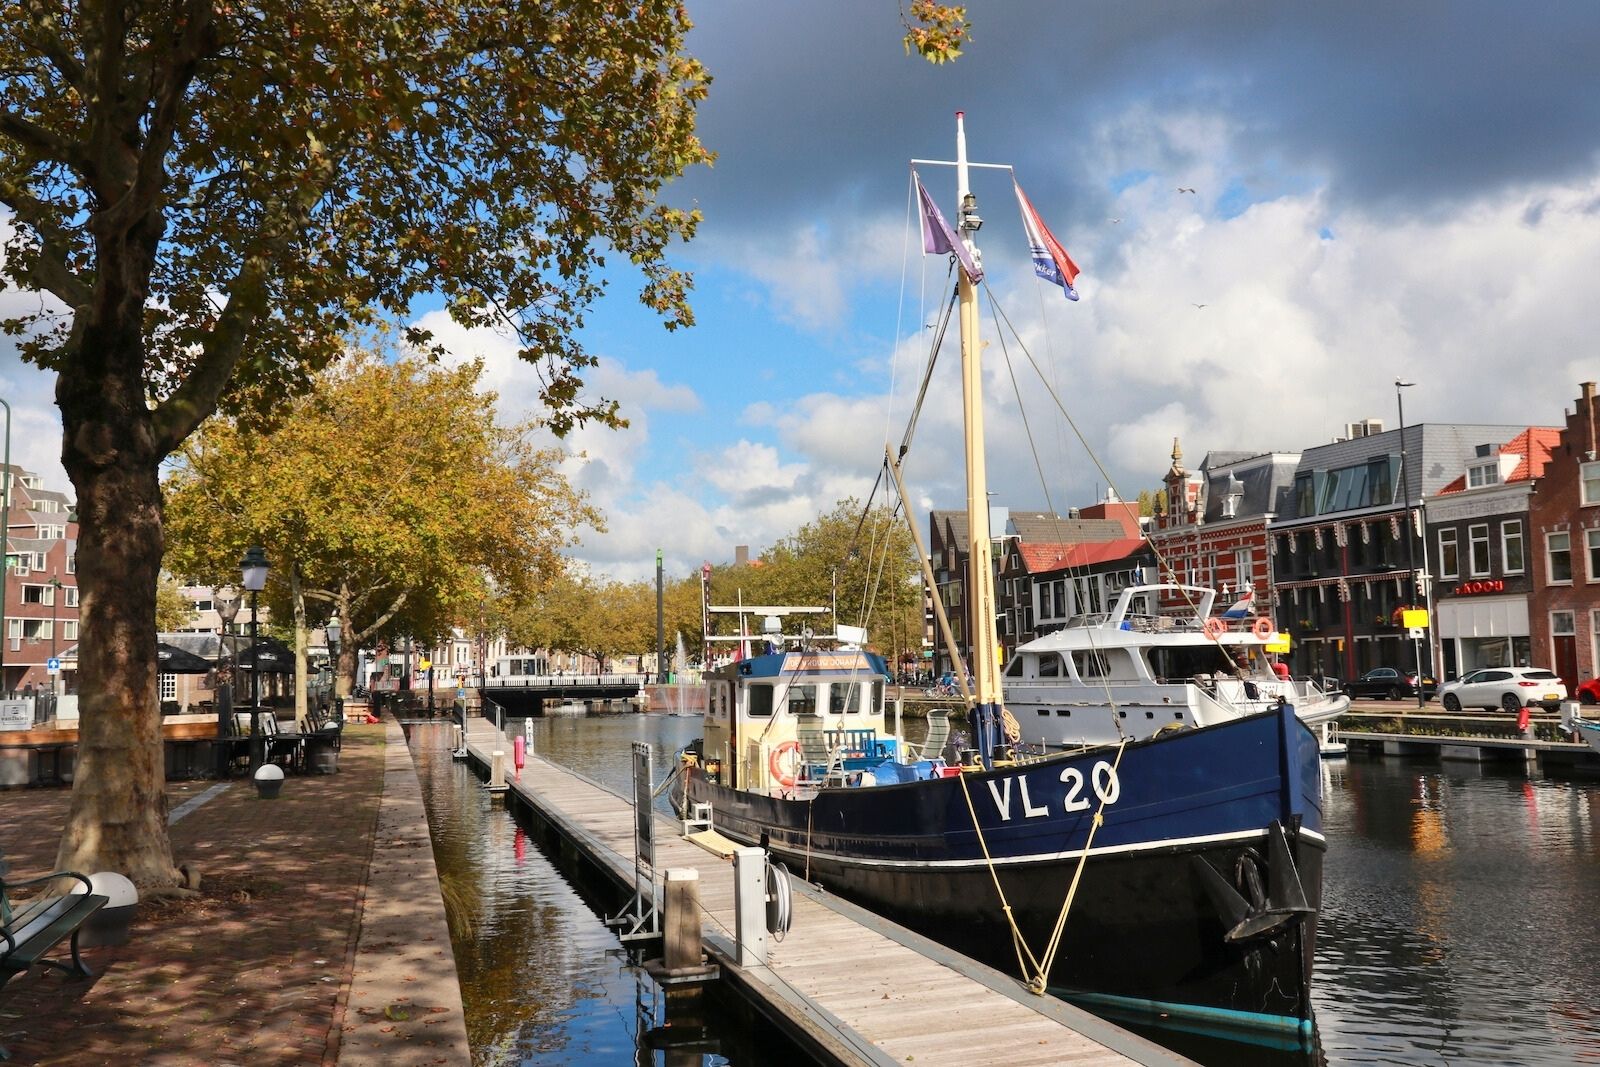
(848,985)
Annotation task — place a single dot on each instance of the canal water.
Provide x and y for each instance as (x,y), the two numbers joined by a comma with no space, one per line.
(1461,920)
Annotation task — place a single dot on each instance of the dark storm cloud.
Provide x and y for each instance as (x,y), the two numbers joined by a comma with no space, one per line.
(1404,108)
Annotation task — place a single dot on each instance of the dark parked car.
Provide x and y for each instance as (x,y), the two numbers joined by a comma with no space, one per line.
(1388,683)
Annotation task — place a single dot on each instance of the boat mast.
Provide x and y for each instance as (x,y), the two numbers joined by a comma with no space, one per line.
(980,567)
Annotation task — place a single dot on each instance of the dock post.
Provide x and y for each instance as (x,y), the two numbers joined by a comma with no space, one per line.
(681,951)
(750,905)
(497,771)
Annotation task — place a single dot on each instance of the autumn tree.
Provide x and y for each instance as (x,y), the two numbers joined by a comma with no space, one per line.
(209,196)
(174,611)
(390,498)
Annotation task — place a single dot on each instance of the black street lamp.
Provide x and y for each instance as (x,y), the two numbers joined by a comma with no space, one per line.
(254,570)
(1411,555)
(227,605)
(334,631)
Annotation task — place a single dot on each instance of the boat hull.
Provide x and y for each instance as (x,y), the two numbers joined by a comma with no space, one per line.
(1146,925)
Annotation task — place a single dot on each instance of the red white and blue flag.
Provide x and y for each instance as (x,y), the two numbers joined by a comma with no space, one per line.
(1245,605)
(1050,260)
(937,236)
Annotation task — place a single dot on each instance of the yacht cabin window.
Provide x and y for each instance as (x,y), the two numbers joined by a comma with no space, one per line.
(1090,665)
(1049,665)
(1014,668)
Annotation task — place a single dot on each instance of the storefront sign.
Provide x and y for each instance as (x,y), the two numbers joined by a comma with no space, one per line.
(1481,585)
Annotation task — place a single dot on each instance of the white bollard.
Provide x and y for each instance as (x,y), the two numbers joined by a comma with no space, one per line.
(750,905)
(497,770)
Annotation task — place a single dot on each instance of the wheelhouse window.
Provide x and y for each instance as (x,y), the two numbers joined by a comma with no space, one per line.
(1511,555)
(1558,554)
(1049,665)
(844,698)
(1449,558)
(760,701)
(1478,540)
(802,700)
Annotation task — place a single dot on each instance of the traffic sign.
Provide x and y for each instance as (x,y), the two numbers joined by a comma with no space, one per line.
(52,665)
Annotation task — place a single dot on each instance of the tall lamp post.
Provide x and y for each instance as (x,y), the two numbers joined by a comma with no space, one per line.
(55,607)
(227,605)
(254,570)
(5,548)
(1411,555)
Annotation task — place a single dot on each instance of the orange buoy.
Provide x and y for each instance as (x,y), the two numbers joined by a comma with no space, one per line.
(775,762)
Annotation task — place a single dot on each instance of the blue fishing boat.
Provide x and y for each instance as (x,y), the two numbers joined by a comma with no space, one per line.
(1174,876)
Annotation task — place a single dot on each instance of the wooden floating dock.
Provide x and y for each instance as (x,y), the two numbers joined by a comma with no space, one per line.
(1536,755)
(845,984)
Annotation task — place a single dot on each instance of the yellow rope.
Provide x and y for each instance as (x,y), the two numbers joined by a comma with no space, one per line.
(1035,973)
(1017,943)
(1066,906)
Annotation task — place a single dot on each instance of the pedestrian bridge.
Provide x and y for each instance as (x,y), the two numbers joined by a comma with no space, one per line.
(528,694)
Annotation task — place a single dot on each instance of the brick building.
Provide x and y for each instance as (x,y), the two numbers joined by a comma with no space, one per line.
(41,586)
(1478,548)
(1564,521)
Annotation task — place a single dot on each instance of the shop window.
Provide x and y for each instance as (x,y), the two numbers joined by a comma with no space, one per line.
(1558,554)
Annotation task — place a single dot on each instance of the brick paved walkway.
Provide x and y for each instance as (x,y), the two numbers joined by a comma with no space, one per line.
(256,970)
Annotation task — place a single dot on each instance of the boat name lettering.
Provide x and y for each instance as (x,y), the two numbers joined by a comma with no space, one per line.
(1102,778)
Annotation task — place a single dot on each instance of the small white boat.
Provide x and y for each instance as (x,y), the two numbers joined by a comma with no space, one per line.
(1136,670)
(1589,731)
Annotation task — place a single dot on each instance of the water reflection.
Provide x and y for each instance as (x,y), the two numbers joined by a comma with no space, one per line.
(544,981)
(1461,912)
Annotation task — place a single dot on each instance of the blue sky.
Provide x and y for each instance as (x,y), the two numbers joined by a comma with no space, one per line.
(1381,190)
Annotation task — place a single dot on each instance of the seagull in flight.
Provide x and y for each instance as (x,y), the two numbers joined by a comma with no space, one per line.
(1181,189)
(1113,221)
(1199,305)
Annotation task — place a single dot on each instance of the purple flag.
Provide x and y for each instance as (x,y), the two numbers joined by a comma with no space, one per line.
(937,236)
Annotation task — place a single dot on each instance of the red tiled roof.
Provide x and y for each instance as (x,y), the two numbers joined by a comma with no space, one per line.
(1037,558)
(1534,445)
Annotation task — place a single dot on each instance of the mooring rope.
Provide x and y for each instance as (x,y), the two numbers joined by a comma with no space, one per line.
(1035,973)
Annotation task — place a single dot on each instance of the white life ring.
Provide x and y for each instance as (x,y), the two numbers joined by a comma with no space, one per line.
(1262,627)
(1215,628)
(775,763)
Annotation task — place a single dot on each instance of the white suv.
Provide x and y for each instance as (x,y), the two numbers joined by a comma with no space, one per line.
(1511,688)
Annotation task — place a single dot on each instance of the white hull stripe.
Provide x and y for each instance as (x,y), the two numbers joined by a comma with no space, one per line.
(1042,857)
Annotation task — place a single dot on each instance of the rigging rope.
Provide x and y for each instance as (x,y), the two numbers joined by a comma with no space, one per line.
(1036,973)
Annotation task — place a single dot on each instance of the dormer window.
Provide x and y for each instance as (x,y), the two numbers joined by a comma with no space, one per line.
(1481,474)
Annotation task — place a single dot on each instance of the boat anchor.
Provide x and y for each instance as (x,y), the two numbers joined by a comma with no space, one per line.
(1261,914)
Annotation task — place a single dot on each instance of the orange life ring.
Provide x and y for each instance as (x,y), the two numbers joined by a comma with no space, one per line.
(775,762)
(1262,627)
(1215,628)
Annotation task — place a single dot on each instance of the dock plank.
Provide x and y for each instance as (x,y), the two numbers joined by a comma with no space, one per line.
(865,992)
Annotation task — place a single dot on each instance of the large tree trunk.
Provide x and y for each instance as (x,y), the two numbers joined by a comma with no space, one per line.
(118,816)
